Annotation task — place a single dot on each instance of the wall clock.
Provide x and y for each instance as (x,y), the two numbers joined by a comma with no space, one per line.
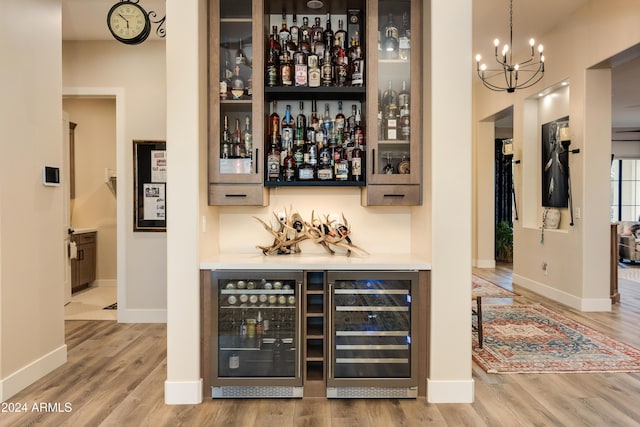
(128,22)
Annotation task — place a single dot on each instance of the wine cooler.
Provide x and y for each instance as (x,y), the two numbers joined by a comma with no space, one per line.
(372,345)
(255,343)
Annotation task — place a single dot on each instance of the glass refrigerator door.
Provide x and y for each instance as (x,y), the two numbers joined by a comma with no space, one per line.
(371,328)
(258,326)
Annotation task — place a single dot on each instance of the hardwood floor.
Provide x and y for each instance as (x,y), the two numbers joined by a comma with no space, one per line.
(115,377)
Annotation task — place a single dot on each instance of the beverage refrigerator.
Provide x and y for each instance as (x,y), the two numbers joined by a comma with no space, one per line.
(372,342)
(256,334)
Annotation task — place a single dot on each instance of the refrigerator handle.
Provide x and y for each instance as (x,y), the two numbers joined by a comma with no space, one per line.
(299,335)
(330,333)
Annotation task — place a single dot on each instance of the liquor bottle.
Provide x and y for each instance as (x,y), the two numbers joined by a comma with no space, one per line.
(306,171)
(341,69)
(274,121)
(311,156)
(404,97)
(391,39)
(301,124)
(286,135)
(298,153)
(273,63)
(404,167)
(301,69)
(404,41)
(313,70)
(305,32)
(237,142)
(326,72)
(340,121)
(259,325)
(295,31)
(390,125)
(358,131)
(325,170)
(276,37)
(340,36)
(318,46)
(351,121)
(226,72)
(388,168)
(286,71)
(284,34)
(305,43)
(357,163)
(327,122)
(357,65)
(247,137)
(234,361)
(317,30)
(289,171)
(340,163)
(225,140)
(237,84)
(273,161)
(327,34)
(405,123)
(241,58)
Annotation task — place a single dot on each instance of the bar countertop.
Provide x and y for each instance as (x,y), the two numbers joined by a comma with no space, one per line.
(378,262)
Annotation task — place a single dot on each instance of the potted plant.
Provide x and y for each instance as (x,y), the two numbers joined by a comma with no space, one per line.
(504,241)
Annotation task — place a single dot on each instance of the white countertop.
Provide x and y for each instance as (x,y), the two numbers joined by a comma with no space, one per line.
(84,230)
(316,262)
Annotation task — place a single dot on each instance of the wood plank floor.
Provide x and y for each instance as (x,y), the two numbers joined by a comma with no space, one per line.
(115,377)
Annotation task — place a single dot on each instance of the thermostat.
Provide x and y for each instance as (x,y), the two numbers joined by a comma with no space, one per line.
(50,176)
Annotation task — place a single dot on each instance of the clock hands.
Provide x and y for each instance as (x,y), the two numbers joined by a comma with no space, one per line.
(125,19)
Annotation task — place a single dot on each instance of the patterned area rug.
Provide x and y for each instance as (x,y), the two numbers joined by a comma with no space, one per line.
(486,289)
(630,273)
(534,339)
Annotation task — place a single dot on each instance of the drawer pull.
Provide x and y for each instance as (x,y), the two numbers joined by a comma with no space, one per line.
(394,195)
(235,195)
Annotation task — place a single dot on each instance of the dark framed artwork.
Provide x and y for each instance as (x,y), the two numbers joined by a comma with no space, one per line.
(149,186)
(555,165)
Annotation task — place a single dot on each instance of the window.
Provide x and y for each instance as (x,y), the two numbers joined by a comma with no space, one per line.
(625,190)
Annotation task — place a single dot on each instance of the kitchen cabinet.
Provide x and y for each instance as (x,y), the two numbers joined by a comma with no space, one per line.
(246,90)
(314,333)
(83,267)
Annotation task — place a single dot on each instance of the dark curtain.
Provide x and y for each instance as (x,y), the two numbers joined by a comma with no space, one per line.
(504,180)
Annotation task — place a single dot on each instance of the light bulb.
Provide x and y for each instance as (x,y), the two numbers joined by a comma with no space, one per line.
(532,42)
(478,58)
(496,42)
(483,67)
(540,48)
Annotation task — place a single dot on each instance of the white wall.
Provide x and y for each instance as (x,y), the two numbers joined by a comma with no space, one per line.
(32,250)
(578,256)
(138,72)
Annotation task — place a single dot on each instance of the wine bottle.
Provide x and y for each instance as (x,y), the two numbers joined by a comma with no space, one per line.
(237,141)
(404,97)
(225,140)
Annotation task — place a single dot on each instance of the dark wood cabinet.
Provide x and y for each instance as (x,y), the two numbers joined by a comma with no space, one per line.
(83,267)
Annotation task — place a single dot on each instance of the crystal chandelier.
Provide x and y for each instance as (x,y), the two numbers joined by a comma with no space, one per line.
(510,76)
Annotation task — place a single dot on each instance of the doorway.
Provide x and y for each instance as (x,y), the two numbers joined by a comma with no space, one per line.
(93,208)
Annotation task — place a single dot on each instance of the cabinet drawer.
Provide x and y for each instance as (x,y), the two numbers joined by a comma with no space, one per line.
(238,195)
(392,195)
(84,238)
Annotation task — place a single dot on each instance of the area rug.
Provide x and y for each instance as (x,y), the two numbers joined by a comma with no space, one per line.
(486,289)
(534,339)
(630,273)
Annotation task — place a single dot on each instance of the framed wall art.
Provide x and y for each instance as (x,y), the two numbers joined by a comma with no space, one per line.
(149,186)
(555,165)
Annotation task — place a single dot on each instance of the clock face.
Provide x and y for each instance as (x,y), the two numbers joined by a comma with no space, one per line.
(128,22)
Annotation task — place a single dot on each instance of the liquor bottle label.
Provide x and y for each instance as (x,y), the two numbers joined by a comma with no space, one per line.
(272,75)
(356,166)
(234,361)
(314,77)
(305,174)
(301,75)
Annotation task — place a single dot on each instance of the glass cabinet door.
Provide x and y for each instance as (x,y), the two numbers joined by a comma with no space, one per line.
(396,144)
(257,326)
(372,324)
(235,124)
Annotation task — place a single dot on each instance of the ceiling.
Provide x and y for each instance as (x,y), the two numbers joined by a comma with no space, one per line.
(86,20)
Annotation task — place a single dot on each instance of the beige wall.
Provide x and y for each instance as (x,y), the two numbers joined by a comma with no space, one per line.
(138,74)
(94,205)
(32,249)
(578,256)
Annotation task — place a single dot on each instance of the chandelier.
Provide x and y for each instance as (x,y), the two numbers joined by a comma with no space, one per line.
(509,76)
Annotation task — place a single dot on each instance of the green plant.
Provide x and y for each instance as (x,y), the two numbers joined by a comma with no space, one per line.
(504,241)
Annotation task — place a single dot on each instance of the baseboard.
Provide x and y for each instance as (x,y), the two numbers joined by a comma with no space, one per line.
(31,373)
(485,263)
(104,282)
(450,391)
(183,392)
(142,316)
(582,304)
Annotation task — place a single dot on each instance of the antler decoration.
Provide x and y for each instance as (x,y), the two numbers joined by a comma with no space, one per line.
(290,229)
